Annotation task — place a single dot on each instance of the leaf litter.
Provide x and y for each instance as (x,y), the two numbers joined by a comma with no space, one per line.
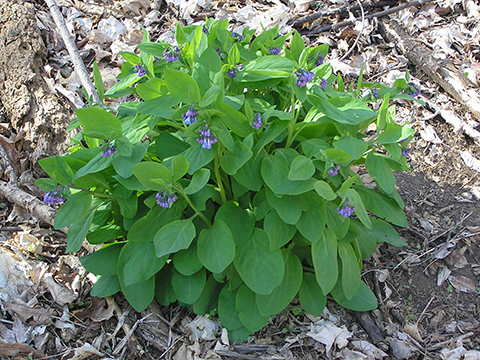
(38,295)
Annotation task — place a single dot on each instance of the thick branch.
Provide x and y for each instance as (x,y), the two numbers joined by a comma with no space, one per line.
(368,17)
(443,72)
(28,202)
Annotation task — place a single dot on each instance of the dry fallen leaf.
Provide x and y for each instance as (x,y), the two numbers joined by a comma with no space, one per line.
(98,310)
(462,283)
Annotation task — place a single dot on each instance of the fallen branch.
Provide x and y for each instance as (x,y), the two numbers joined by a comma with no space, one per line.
(443,72)
(73,51)
(29,202)
(368,17)
(343,10)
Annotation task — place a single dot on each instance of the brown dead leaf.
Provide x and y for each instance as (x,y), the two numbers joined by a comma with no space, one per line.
(61,294)
(462,283)
(31,315)
(412,330)
(99,310)
(84,352)
(457,258)
(18,349)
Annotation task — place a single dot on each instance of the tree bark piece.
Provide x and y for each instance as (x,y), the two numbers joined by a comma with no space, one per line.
(443,72)
(30,105)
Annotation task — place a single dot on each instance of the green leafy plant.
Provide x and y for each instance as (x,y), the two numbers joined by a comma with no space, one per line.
(231,184)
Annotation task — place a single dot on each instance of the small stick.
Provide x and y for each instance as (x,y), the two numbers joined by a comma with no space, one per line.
(369,326)
(368,17)
(73,51)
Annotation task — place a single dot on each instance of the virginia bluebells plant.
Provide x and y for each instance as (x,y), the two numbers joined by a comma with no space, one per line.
(323,83)
(375,93)
(171,54)
(333,171)
(140,70)
(257,121)
(319,60)
(109,150)
(165,198)
(274,50)
(219,52)
(345,209)
(190,116)
(205,30)
(206,138)
(54,197)
(304,76)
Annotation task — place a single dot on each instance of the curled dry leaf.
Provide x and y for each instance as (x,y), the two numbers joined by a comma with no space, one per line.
(99,310)
(61,294)
(462,283)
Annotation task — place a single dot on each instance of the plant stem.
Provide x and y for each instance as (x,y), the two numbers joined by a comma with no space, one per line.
(293,122)
(219,179)
(189,202)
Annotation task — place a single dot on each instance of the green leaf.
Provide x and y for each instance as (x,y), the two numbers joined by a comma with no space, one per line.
(116,89)
(297,46)
(208,301)
(278,231)
(289,208)
(261,269)
(382,206)
(352,146)
(384,232)
(284,293)
(338,156)
(164,292)
(199,180)
(236,121)
(124,148)
(249,174)
(324,190)
(302,168)
(105,286)
(312,222)
(181,86)
(162,106)
(174,236)
(188,288)
(168,145)
(98,123)
(76,207)
(241,224)
(227,311)
(207,72)
(58,169)
(77,232)
(46,184)
(146,228)
(97,78)
(231,161)
(138,295)
(151,89)
(248,312)
(378,168)
(336,222)
(123,164)
(394,134)
(363,300)
(199,157)
(138,262)
(266,68)
(350,269)
(360,210)
(104,261)
(274,170)
(186,261)
(311,297)
(216,247)
(152,175)
(324,255)
(180,167)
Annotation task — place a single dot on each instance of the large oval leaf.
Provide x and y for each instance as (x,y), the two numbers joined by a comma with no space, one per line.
(75,208)
(324,255)
(261,269)
(216,247)
(174,236)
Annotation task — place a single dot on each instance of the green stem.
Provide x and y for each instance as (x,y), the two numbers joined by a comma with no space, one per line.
(293,122)
(189,202)
(219,179)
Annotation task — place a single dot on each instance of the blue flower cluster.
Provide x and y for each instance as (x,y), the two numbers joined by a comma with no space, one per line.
(54,197)
(274,50)
(171,54)
(232,71)
(346,210)
(190,116)
(206,138)
(414,90)
(333,171)
(165,198)
(238,36)
(304,76)
(140,70)
(257,121)
(323,83)
(109,150)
